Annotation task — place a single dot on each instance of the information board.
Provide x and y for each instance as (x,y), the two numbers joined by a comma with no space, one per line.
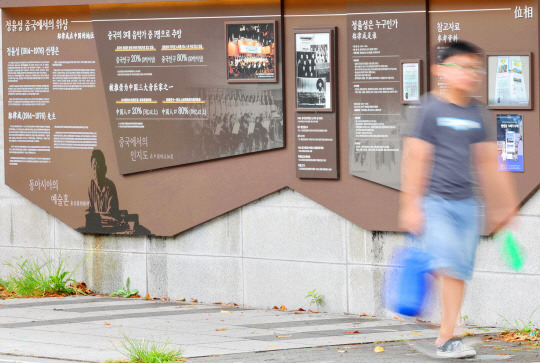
(93,93)
(379,37)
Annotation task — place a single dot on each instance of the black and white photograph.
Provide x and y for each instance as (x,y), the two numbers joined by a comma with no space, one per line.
(314,70)
(251,52)
(240,121)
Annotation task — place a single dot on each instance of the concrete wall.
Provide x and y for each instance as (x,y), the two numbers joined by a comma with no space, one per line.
(270,252)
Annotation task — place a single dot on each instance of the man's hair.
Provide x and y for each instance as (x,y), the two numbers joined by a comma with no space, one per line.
(459,47)
(98,155)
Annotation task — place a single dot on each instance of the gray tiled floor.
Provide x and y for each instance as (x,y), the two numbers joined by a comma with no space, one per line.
(90,328)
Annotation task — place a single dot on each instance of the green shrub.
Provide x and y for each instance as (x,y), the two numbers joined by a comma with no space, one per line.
(33,277)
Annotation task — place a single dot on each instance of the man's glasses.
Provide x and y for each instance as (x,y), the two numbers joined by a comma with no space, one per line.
(478,70)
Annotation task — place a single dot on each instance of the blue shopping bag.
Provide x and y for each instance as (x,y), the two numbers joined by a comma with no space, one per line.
(408,283)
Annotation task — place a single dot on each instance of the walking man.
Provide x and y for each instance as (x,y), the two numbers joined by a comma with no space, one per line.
(451,146)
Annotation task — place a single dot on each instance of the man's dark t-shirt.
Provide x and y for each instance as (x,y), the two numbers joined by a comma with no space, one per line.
(451,129)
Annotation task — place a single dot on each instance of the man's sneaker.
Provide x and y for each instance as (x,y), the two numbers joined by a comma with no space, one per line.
(454,348)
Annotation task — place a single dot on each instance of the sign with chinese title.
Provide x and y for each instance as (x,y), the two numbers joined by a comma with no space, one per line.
(380,85)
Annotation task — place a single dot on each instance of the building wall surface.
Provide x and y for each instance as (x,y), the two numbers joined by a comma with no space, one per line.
(268,253)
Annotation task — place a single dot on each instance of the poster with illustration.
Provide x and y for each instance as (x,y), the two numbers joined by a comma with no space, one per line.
(510,143)
(509,81)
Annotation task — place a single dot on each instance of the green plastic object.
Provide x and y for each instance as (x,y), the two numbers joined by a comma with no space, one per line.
(511,252)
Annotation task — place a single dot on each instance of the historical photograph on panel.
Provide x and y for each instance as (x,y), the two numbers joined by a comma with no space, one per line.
(239,122)
(314,71)
(251,52)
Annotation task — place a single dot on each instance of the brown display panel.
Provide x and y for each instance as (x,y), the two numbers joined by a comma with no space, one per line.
(462,20)
(315,93)
(35,3)
(76,123)
(175,199)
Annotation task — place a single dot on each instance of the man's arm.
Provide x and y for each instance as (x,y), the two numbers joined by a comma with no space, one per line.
(415,169)
(498,187)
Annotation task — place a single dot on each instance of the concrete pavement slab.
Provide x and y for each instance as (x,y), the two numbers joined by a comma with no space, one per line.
(89,328)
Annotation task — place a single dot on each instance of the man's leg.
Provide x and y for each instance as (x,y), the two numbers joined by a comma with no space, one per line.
(451,298)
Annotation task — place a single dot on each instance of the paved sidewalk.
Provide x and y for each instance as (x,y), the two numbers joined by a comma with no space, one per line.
(88,329)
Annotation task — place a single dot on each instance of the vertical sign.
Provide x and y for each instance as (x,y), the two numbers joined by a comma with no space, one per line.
(316,126)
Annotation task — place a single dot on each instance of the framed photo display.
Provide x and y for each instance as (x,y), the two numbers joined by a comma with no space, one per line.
(251,51)
(315,77)
(509,81)
(411,81)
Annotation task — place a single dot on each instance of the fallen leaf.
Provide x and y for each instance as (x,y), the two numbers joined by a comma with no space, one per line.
(301,309)
(107,323)
(226,312)
(416,333)
(468,334)
(402,321)
(194,300)
(180,307)
(275,307)
(147,297)
(396,318)
(235,304)
(342,351)
(363,314)
(191,307)
(218,303)
(352,332)
(221,329)
(378,349)
(282,336)
(283,307)
(297,312)
(181,299)
(165,299)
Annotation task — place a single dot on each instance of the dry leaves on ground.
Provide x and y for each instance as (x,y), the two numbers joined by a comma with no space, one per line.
(518,336)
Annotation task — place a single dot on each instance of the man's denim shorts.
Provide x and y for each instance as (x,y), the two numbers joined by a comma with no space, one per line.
(451,234)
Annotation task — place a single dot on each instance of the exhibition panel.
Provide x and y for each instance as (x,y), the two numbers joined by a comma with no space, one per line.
(152,117)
